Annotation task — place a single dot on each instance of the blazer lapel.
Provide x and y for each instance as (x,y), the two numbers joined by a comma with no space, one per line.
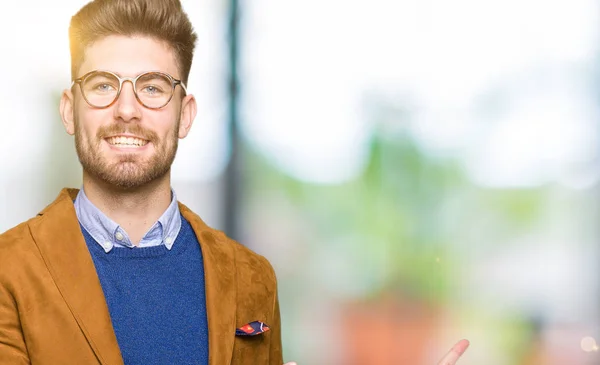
(63,248)
(220,282)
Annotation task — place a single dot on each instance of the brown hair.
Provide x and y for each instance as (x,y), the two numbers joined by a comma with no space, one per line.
(163,20)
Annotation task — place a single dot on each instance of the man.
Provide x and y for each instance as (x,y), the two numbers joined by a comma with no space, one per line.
(119,271)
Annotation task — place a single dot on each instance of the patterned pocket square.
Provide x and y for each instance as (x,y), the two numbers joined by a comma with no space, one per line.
(252,329)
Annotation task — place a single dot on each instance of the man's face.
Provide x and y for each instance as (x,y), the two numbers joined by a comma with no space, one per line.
(127,145)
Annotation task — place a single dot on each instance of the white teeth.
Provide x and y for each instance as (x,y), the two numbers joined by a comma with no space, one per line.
(126,141)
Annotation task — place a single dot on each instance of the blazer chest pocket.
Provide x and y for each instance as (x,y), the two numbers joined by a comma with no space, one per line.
(251,344)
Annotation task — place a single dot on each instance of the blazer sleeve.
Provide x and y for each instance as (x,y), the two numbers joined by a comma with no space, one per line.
(276,353)
(12,342)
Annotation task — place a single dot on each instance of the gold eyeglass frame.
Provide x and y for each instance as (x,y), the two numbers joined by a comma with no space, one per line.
(133,80)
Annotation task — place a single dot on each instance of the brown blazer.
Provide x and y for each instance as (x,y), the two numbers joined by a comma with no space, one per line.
(53,311)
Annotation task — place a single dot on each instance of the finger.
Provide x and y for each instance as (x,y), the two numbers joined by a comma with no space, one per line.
(290,363)
(454,354)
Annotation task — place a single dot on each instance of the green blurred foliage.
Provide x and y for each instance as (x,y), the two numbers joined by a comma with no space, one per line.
(407,218)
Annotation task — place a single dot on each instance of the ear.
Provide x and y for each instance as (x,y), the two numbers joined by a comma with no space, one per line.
(66,111)
(188,113)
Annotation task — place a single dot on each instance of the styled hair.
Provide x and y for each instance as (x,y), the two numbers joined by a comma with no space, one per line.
(163,20)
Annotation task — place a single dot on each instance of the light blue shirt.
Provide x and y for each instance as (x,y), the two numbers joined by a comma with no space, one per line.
(109,234)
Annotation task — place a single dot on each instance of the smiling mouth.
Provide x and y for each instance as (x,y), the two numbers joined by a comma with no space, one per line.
(126,142)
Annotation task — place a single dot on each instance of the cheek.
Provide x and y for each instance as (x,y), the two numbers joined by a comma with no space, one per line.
(168,136)
(165,124)
(87,123)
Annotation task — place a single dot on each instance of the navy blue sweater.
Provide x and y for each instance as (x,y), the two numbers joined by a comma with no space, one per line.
(156,300)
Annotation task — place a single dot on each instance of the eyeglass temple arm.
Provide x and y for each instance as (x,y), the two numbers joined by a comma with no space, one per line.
(182,85)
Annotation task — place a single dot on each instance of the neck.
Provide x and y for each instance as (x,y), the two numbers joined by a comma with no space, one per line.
(135,209)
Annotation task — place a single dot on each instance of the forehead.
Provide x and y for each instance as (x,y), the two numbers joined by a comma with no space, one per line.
(129,56)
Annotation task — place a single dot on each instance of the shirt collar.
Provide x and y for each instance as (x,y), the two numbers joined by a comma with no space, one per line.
(108,234)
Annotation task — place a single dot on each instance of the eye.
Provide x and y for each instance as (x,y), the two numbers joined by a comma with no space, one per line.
(152,90)
(104,87)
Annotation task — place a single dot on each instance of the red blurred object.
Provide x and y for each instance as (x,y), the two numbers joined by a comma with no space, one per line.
(388,331)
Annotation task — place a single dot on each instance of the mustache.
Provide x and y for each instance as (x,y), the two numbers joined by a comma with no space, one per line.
(135,129)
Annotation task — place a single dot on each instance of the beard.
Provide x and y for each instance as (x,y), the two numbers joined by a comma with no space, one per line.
(130,171)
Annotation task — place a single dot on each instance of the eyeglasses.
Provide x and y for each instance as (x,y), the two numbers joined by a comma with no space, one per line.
(101,89)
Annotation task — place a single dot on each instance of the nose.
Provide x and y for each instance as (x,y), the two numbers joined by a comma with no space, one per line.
(127,107)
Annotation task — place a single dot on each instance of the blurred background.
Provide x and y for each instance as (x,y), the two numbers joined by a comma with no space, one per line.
(417,171)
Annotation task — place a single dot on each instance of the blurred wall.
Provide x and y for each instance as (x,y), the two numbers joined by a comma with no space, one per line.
(424,171)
